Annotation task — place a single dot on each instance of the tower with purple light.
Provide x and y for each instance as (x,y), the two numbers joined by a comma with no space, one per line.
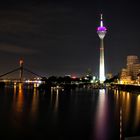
(101,31)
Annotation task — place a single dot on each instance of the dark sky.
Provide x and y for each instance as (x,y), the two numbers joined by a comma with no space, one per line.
(59,37)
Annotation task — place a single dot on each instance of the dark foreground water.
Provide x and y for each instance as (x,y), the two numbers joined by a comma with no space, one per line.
(82,114)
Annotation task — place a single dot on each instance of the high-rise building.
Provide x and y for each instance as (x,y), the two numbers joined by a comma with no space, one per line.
(131,60)
(130,73)
(124,73)
(101,31)
(136,71)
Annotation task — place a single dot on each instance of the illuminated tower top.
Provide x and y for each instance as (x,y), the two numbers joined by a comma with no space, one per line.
(101,27)
(101,30)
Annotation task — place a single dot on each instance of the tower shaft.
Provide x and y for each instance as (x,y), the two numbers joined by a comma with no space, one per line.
(102,65)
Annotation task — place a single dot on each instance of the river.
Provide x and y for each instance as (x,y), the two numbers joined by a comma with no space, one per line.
(81,114)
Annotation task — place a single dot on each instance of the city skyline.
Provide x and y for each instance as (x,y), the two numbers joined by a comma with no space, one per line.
(59,38)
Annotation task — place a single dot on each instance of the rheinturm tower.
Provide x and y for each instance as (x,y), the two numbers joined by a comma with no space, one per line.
(101,31)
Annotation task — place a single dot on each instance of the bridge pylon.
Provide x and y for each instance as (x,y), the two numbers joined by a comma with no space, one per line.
(21,70)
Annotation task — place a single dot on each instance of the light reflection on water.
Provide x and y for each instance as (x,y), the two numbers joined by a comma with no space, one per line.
(55,105)
(56,100)
(130,105)
(126,102)
(79,113)
(137,115)
(101,117)
(20,99)
(34,105)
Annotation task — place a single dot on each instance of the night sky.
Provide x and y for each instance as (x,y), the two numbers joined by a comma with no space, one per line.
(59,37)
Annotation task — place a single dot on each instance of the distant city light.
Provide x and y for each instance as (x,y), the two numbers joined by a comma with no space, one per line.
(73,77)
(94,77)
(85,78)
(92,81)
(33,81)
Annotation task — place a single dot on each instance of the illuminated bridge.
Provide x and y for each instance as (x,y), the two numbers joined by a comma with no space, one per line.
(20,79)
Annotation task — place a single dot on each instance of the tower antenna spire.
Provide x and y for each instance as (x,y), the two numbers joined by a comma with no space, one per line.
(101,16)
(101,21)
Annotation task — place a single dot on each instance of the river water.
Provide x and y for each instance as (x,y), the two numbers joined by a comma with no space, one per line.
(81,114)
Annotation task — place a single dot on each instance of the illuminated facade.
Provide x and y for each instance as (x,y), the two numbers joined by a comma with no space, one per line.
(136,70)
(101,31)
(131,61)
(124,78)
(130,73)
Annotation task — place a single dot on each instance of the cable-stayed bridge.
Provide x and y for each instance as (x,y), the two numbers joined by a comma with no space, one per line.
(20,78)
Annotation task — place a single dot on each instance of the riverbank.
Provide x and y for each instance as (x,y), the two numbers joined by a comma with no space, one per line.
(126,87)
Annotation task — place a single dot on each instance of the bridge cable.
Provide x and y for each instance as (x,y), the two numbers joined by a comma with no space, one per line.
(25,69)
(10,72)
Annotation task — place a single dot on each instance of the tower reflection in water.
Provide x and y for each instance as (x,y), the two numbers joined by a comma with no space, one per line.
(101,125)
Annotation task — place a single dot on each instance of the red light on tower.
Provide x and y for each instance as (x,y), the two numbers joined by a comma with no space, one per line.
(21,62)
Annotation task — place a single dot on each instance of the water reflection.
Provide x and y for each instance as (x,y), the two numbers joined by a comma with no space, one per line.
(137,115)
(119,96)
(34,105)
(56,100)
(116,102)
(129,106)
(126,108)
(70,113)
(101,117)
(14,96)
(20,99)
(55,105)
(25,103)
